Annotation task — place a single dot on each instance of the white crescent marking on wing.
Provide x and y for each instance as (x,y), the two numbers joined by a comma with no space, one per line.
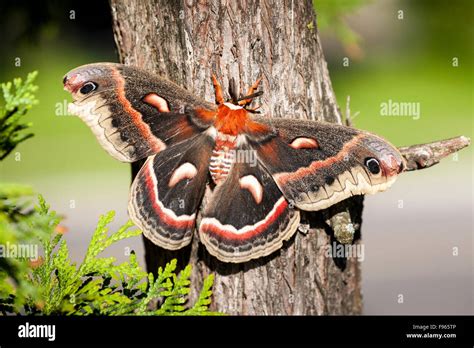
(305,143)
(156,101)
(252,184)
(185,171)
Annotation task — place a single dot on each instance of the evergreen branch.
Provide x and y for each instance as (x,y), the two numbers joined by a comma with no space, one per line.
(97,286)
(18,98)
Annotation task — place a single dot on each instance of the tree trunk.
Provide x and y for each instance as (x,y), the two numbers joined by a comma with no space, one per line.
(186,41)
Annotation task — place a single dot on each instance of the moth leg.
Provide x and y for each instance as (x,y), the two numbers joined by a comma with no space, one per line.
(218,89)
(251,90)
(254,110)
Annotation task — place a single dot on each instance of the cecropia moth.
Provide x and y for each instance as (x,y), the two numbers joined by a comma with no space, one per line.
(260,171)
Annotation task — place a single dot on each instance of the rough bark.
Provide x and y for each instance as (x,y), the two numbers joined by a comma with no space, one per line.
(427,155)
(188,40)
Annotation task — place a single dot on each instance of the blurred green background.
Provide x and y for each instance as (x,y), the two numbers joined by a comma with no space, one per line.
(407,59)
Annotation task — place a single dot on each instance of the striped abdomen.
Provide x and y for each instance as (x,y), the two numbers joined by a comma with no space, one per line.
(222,158)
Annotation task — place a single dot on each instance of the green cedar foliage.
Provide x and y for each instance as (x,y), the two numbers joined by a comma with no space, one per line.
(99,286)
(17,102)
